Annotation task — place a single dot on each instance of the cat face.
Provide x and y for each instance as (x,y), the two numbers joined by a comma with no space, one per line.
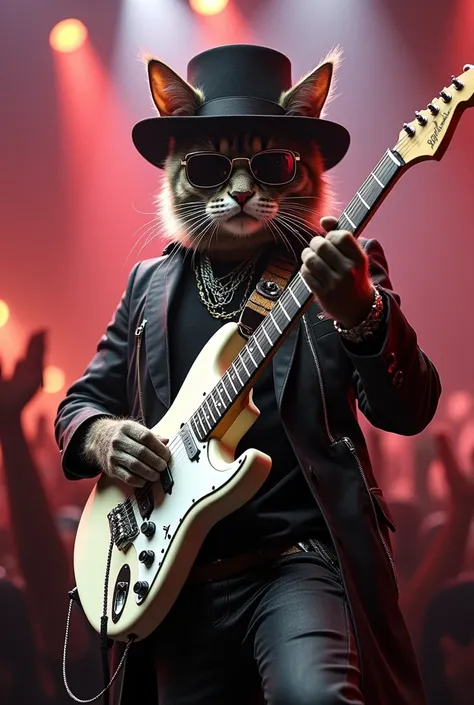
(241,211)
(242,207)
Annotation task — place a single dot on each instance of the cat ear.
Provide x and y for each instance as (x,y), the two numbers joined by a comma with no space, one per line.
(171,94)
(309,95)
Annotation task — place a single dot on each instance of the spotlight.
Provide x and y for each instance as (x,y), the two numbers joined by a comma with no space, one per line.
(53,379)
(68,36)
(4,313)
(208,7)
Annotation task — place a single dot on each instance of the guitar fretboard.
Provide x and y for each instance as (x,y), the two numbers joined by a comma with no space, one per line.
(261,346)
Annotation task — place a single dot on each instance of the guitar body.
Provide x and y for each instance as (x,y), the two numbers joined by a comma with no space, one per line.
(205,489)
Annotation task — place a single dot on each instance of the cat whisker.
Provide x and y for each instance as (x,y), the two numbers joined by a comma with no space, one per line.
(300,207)
(288,223)
(298,219)
(297,228)
(149,228)
(191,204)
(285,238)
(199,240)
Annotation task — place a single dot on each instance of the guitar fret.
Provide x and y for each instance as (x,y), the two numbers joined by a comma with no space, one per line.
(377,179)
(244,365)
(225,389)
(250,356)
(237,373)
(194,427)
(275,323)
(290,304)
(284,310)
(258,346)
(292,294)
(220,396)
(263,343)
(306,284)
(266,334)
(353,225)
(206,420)
(201,422)
(210,410)
(362,201)
(239,370)
(231,382)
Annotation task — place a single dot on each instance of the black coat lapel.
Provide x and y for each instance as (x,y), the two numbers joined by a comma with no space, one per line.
(284,357)
(163,286)
(282,363)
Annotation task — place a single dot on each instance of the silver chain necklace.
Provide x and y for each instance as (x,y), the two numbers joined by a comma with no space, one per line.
(216,293)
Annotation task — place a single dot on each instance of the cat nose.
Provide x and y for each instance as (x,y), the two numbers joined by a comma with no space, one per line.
(241,196)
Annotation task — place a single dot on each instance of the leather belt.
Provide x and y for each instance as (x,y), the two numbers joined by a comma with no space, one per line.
(228,567)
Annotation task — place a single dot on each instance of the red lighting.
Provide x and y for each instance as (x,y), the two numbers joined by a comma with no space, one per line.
(4,313)
(53,379)
(208,7)
(68,36)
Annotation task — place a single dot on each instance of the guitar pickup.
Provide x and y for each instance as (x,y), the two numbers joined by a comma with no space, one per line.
(167,481)
(189,443)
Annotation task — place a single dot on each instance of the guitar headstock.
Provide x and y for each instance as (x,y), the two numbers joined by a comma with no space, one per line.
(428,136)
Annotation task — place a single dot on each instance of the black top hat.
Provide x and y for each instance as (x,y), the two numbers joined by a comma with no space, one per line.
(237,87)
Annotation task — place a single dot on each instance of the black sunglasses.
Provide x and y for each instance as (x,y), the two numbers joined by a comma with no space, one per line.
(273,167)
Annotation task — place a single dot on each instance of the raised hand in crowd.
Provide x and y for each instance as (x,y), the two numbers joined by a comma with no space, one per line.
(27,378)
(444,558)
(46,572)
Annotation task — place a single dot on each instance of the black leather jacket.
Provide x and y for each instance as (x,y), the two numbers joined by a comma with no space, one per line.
(319,382)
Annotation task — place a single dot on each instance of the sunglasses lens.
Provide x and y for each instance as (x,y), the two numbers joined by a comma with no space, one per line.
(274,167)
(207,170)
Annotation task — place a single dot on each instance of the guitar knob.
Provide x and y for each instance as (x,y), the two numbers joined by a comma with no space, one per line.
(457,83)
(146,557)
(434,109)
(409,130)
(445,97)
(141,588)
(148,528)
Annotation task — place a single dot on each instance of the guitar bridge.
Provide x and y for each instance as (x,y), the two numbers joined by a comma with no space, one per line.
(122,524)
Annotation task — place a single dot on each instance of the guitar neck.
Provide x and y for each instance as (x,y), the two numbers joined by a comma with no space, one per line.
(263,343)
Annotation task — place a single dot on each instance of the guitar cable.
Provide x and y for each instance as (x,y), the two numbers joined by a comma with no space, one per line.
(104,641)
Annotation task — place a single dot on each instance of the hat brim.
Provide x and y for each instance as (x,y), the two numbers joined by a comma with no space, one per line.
(151,136)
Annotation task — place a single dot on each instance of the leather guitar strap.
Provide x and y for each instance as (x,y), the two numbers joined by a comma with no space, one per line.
(278,272)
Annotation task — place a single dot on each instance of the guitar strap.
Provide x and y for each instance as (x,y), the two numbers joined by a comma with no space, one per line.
(278,272)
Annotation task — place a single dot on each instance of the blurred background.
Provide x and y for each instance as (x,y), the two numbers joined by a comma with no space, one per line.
(76,211)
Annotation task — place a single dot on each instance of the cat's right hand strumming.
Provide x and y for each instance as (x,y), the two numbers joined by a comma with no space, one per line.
(126,450)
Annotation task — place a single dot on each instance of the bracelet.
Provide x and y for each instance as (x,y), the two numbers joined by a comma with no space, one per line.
(369,325)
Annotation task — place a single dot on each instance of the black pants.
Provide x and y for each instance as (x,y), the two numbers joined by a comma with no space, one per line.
(279,634)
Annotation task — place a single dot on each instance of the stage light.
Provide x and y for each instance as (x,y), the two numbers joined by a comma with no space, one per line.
(53,379)
(4,313)
(68,36)
(208,7)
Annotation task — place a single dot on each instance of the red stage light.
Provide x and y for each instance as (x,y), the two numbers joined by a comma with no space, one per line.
(4,313)
(68,35)
(53,379)
(208,7)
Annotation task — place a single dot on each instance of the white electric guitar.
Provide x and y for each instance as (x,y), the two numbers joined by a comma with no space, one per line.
(135,549)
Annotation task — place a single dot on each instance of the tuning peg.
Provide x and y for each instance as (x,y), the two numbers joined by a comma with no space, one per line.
(434,109)
(457,83)
(445,96)
(421,119)
(468,67)
(409,129)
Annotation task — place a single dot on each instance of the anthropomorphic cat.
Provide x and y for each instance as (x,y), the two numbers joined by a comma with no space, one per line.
(292,598)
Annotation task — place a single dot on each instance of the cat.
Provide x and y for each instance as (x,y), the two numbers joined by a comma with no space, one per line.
(201,219)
